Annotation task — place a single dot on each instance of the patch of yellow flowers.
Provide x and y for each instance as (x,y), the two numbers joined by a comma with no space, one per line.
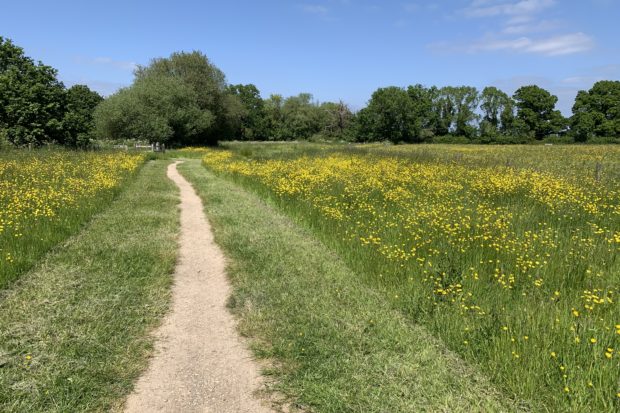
(44,187)
(506,262)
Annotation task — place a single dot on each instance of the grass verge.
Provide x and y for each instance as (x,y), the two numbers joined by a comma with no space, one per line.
(74,331)
(333,344)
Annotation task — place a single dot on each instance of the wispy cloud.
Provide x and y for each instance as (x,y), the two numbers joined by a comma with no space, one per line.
(534,27)
(108,61)
(551,46)
(593,75)
(318,9)
(516,22)
(490,8)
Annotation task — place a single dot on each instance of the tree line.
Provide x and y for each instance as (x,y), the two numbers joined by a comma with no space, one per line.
(185,100)
(35,107)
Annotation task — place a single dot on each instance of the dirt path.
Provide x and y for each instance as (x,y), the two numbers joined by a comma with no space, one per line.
(200,364)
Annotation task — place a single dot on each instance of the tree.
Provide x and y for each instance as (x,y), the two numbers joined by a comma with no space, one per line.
(253,122)
(273,117)
(455,110)
(497,111)
(209,91)
(78,119)
(336,120)
(159,109)
(390,115)
(445,111)
(300,117)
(32,100)
(597,111)
(536,109)
(422,99)
(465,102)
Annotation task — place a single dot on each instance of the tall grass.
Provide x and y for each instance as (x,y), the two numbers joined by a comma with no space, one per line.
(46,196)
(509,255)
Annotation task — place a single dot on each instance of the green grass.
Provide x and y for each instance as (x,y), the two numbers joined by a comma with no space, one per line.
(331,343)
(48,195)
(515,235)
(74,330)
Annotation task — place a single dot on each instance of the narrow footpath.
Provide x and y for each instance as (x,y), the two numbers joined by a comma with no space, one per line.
(200,363)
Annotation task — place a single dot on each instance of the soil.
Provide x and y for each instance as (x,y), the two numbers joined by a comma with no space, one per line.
(200,363)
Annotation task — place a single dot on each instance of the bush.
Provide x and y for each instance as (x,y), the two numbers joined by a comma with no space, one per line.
(601,140)
(450,139)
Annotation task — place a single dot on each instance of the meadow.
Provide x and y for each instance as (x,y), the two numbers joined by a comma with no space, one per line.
(509,255)
(76,327)
(45,196)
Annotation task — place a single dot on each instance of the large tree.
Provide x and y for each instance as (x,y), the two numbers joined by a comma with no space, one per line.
(78,119)
(301,118)
(253,122)
(158,109)
(536,109)
(273,116)
(465,102)
(32,100)
(182,99)
(597,111)
(389,115)
(336,119)
(497,111)
(422,99)
(208,83)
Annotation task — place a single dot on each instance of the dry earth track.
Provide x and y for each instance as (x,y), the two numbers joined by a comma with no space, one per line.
(200,362)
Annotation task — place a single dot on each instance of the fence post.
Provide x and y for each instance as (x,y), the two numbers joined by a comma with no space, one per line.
(598,170)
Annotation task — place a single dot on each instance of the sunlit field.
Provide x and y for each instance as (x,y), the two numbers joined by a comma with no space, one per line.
(509,254)
(46,195)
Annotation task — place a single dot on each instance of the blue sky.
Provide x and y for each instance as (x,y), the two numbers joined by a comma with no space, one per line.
(334,49)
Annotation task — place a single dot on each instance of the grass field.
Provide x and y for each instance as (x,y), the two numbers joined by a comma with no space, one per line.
(45,196)
(74,330)
(509,255)
(330,343)
(369,278)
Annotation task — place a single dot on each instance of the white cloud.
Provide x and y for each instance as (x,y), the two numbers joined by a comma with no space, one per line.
(562,44)
(551,46)
(535,27)
(315,9)
(516,22)
(489,8)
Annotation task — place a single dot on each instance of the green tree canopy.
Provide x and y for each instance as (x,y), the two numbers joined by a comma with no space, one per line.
(78,119)
(253,122)
(301,118)
(497,111)
(159,109)
(422,99)
(536,109)
(180,100)
(390,115)
(32,100)
(597,111)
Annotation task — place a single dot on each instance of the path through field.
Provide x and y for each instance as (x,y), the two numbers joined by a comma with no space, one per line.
(200,364)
